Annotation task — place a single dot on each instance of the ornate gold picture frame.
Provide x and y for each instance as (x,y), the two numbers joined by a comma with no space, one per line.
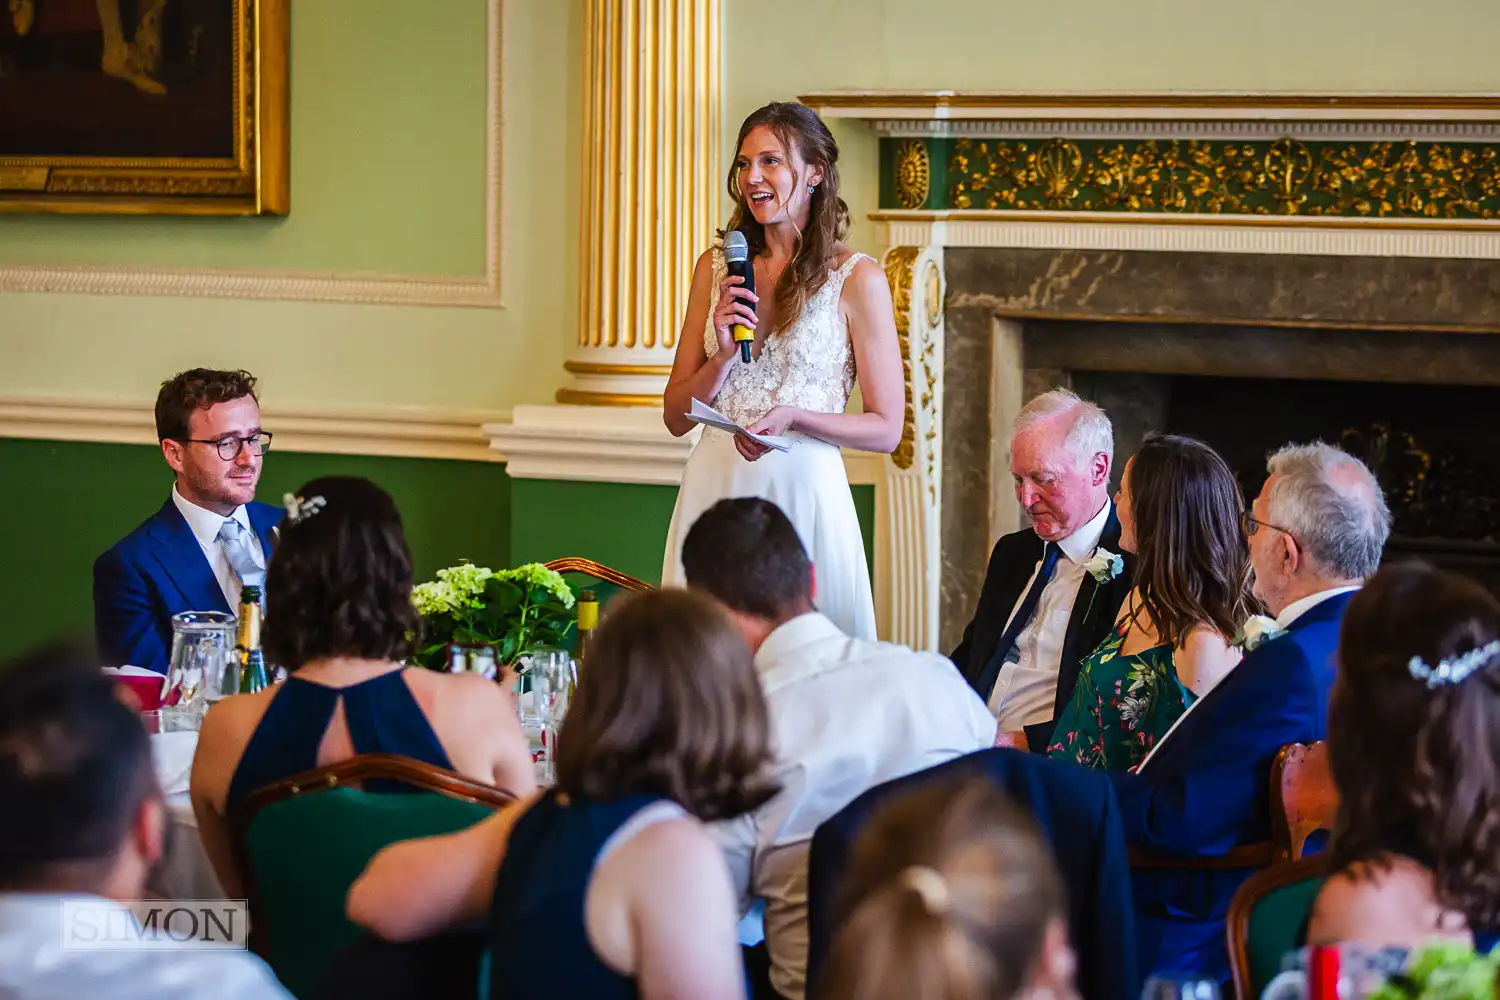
(145,106)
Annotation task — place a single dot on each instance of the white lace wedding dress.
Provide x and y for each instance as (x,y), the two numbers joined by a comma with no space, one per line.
(810,364)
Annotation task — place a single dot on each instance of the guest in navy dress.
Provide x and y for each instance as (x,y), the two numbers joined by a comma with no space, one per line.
(1414,741)
(950,892)
(339,618)
(608,885)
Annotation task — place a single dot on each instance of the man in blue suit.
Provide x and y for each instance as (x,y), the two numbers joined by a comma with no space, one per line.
(1316,531)
(208,540)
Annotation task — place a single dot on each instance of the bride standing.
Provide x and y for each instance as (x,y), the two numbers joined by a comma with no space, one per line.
(823,314)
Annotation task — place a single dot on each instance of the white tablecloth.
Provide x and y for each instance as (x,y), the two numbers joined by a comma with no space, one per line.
(185,872)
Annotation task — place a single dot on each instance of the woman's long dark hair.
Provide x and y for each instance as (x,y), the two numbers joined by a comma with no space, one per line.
(799,128)
(1418,767)
(1192,558)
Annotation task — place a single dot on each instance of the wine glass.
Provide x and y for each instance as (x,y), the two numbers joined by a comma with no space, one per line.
(202,644)
(1180,986)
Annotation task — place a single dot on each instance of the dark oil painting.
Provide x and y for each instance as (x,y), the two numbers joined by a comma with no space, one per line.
(117,78)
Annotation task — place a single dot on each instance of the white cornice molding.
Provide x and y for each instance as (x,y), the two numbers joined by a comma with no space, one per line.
(404,432)
(482,291)
(1178,107)
(606,444)
(1133,231)
(1222,131)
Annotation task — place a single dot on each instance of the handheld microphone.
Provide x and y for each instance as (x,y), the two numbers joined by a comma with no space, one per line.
(737,261)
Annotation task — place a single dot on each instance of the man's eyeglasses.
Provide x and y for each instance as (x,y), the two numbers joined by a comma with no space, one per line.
(229,447)
(1251,524)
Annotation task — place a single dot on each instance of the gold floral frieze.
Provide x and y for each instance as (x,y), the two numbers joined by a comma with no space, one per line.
(1283,177)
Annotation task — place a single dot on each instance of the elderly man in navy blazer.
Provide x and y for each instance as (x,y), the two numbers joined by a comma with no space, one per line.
(208,540)
(1316,531)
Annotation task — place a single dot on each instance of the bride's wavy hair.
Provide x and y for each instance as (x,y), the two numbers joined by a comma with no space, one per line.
(799,128)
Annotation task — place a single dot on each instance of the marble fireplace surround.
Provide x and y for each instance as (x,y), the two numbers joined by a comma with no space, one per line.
(1020,320)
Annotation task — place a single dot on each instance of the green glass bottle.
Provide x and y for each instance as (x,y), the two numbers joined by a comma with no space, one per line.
(253,674)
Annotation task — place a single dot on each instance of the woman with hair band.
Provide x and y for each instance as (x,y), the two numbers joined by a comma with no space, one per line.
(1414,746)
(339,618)
(822,314)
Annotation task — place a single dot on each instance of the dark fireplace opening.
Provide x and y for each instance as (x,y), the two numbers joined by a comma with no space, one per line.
(1434,448)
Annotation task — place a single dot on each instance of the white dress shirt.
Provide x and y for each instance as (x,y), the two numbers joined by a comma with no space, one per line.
(846,714)
(1289,614)
(1025,690)
(205,525)
(36,964)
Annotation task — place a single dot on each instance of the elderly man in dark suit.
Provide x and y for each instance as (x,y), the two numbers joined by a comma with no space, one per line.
(1052,590)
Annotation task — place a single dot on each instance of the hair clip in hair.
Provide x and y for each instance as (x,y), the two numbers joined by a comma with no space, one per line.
(1452,671)
(298,509)
(929,884)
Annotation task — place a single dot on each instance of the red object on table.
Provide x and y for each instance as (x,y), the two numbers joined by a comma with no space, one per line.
(146,689)
(1323,973)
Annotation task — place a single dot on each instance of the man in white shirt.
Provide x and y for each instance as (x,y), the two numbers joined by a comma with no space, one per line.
(848,714)
(1052,592)
(208,540)
(84,826)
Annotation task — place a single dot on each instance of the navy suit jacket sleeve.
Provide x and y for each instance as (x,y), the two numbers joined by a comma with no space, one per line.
(1213,793)
(1111,972)
(125,619)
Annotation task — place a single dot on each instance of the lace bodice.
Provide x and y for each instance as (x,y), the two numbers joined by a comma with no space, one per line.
(809,364)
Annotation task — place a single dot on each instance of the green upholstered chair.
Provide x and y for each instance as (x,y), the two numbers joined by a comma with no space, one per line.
(301,842)
(1265,918)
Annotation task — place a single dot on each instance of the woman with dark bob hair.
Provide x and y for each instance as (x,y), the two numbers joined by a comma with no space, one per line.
(1179,507)
(608,884)
(340,619)
(1414,745)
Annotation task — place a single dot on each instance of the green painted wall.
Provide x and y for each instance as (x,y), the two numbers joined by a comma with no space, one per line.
(623,526)
(63,503)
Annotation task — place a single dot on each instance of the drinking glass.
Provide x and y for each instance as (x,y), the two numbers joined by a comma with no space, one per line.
(202,649)
(1180,986)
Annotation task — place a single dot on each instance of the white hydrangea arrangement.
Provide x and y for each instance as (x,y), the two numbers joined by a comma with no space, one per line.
(512,610)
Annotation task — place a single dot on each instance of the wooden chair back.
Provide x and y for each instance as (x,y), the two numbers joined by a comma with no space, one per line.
(1303,797)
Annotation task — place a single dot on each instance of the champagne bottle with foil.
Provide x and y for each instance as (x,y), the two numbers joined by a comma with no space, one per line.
(252,662)
(588,620)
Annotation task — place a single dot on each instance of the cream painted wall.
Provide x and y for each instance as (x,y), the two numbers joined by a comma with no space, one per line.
(388,150)
(777,49)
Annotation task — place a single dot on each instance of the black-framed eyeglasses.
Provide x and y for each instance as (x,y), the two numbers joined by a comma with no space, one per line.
(1251,524)
(229,447)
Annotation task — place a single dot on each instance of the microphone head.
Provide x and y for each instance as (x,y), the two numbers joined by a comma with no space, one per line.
(736,250)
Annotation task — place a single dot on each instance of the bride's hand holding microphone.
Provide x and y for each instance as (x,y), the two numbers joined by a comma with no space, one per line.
(734,318)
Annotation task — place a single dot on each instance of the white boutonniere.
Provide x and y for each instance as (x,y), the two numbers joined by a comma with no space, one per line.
(1104,566)
(1256,632)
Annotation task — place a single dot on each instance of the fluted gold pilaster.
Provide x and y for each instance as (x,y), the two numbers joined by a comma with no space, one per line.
(650,189)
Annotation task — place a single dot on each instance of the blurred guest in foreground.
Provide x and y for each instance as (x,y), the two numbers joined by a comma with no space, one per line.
(340,619)
(1414,743)
(209,538)
(950,895)
(608,884)
(85,825)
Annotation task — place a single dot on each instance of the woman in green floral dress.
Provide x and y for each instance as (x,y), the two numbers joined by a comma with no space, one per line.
(1179,507)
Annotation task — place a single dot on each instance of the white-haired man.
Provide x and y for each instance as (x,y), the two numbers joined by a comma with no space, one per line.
(1051,593)
(1316,530)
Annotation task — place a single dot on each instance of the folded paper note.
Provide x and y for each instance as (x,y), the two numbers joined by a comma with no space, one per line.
(709,417)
